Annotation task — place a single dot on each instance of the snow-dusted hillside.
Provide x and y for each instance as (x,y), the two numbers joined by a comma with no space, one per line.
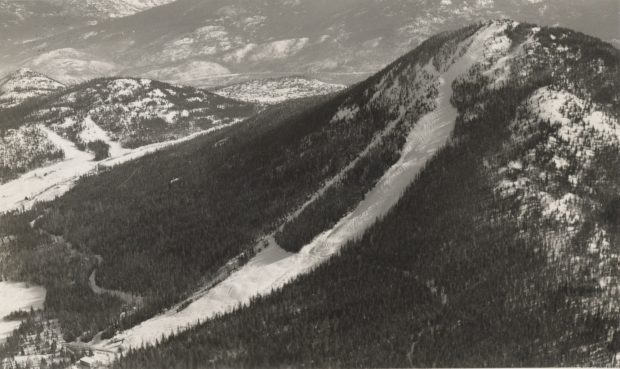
(17,87)
(135,111)
(77,9)
(273,91)
(71,66)
(110,8)
(107,119)
(506,248)
(273,267)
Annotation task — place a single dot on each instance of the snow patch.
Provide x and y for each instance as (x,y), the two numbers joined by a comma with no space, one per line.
(565,210)
(345,114)
(92,132)
(14,297)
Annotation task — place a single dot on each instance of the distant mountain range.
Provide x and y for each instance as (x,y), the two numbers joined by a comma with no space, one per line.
(209,43)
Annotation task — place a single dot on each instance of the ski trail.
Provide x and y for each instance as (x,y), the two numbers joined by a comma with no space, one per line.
(273,267)
(338,177)
(92,132)
(47,183)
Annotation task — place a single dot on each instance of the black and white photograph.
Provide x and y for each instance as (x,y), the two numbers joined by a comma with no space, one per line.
(318,184)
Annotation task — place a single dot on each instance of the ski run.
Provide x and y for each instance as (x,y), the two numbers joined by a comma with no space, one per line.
(47,183)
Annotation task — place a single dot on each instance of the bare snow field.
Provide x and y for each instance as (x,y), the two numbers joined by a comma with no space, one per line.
(14,297)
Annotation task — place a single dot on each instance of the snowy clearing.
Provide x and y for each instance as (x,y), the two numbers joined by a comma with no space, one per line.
(14,297)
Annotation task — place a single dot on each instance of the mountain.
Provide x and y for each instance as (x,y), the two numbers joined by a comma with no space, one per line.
(339,41)
(71,66)
(501,251)
(277,90)
(20,12)
(99,123)
(458,208)
(25,84)
(108,8)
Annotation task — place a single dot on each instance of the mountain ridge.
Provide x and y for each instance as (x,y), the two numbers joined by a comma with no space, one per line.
(23,84)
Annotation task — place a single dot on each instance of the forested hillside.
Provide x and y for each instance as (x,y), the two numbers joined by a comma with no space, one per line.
(502,253)
(24,84)
(276,90)
(51,134)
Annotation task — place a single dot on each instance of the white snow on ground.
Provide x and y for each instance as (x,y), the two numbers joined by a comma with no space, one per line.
(19,146)
(566,210)
(273,91)
(92,132)
(123,87)
(14,297)
(24,84)
(345,113)
(47,183)
(582,126)
(273,267)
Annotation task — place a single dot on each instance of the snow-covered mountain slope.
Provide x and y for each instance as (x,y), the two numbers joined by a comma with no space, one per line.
(550,174)
(135,111)
(335,41)
(102,119)
(17,87)
(273,91)
(273,267)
